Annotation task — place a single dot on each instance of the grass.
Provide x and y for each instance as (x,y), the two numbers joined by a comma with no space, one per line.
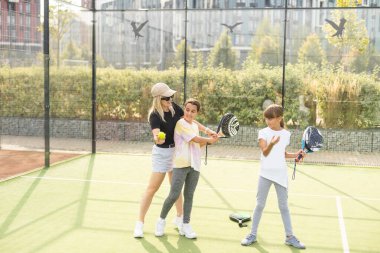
(90,204)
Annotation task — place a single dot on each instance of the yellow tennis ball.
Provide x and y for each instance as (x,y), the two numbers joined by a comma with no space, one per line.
(161,135)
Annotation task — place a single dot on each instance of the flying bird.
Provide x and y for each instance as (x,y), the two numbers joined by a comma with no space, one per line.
(339,28)
(231,27)
(136,29)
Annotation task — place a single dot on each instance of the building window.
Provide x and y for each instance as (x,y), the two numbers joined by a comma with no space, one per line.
(27,8)
(27,24)
(27,36)
(11,6)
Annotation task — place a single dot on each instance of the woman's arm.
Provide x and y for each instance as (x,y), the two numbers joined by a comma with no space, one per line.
(155,137)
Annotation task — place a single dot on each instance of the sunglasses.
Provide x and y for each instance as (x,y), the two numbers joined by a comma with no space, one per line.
(167,98)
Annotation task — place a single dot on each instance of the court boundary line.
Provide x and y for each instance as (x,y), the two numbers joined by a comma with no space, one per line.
(342,226)
(199,187)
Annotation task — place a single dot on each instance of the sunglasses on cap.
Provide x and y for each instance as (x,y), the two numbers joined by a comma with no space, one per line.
(167,98)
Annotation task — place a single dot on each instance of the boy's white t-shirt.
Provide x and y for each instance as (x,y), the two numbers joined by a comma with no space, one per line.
(187,152)
(273,166)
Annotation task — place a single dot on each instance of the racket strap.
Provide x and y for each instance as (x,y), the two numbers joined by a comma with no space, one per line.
(206,154)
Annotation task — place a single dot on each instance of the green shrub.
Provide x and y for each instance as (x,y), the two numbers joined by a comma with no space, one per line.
(330,96)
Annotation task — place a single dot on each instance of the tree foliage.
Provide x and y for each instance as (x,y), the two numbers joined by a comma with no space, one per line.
(355,39)
(312,51)
(179,58)
(59,24)
(223,55)
(265,45)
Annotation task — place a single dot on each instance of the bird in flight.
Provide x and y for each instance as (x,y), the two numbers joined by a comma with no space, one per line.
(339,28)
(231,27)
(136,29)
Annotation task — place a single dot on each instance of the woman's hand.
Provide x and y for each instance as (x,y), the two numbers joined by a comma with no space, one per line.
(159,141)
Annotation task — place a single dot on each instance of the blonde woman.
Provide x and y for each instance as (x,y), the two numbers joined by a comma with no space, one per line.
(162,116)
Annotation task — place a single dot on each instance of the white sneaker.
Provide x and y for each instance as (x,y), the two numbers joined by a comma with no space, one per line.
(187,231)
(160,227)
(139,233)
(178,221)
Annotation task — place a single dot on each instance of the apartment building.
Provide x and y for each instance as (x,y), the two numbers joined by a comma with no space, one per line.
(20,37)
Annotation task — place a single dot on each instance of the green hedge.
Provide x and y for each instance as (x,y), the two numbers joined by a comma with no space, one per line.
(331,96)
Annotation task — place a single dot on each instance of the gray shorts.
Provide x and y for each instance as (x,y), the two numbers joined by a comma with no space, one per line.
(162,159)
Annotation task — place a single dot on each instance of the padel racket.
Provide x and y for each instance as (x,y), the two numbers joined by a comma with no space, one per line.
(228,127)
(240,218)
(312,140)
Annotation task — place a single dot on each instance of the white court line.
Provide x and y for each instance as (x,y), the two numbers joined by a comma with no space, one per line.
(198,188)
(342,227)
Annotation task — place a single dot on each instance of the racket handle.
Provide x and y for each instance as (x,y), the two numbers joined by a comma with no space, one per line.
(299,157)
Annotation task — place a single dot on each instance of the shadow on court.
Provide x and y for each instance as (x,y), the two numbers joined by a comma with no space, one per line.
(340,192)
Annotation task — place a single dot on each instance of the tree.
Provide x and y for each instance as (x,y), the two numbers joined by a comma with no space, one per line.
(265,45)
(59,24)
(354,40)
(222,54)
(72,51)
(312,51)
(179,58)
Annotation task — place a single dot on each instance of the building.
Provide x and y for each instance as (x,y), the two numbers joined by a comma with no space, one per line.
(20,36)
(166,29)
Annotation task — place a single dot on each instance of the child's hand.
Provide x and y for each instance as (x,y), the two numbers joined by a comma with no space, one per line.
(211,133)
(213,139)
(275,140)
(302,153)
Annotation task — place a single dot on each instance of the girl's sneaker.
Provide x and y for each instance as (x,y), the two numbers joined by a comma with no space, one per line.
(187,231)
(139,233)
(178,221)
(160,227)
(248,240)
(293,241)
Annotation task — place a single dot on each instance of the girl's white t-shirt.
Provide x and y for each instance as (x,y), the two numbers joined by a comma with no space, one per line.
(273,166)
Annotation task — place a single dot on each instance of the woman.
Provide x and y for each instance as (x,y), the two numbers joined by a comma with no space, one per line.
(162,116)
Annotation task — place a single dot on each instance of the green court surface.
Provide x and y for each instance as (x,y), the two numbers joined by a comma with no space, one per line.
(90,205)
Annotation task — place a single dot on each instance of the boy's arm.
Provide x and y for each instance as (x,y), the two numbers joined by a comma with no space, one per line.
(205,129)
(189,135)
(204,140)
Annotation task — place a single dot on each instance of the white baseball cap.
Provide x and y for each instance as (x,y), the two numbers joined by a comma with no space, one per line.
(162,89)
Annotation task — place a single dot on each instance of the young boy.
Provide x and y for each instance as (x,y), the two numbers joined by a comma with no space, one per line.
(187,163)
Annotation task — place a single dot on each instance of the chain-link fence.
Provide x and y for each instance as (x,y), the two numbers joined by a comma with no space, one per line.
(320,62)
